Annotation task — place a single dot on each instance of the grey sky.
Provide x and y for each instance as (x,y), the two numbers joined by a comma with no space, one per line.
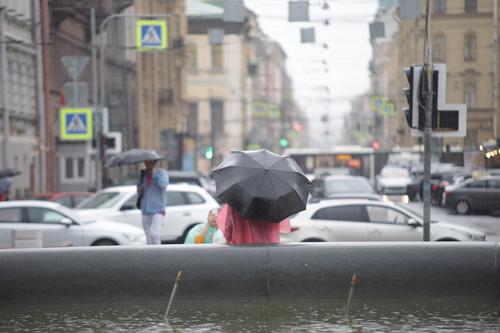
(347,56)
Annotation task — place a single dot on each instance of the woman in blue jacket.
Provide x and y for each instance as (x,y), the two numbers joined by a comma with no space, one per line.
(152,188)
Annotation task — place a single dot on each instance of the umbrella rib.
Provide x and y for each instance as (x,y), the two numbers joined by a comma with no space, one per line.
(286,183)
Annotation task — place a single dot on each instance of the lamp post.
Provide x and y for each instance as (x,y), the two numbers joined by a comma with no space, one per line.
(101,96)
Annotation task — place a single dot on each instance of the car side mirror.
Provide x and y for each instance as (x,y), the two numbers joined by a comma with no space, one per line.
(127,207)
(67,221)
(413,222)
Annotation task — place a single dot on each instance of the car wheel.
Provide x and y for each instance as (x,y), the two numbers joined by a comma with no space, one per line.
(104,242)
(311,240)
(462,207)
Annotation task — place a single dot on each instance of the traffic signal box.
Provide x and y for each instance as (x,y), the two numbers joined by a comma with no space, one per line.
(448,120)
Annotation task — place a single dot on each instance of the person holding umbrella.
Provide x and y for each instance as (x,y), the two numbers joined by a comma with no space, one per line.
(151,188)
(261,191)
(5,184)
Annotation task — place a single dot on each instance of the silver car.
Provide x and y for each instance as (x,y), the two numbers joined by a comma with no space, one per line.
(369,220)
(49,224)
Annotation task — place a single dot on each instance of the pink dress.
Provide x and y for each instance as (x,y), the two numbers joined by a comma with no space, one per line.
(238,230)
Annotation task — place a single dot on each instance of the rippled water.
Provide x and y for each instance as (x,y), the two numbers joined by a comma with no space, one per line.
(381,316)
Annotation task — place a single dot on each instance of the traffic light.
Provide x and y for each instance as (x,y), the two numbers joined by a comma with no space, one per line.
(411,93)
(209,152)
(283,142)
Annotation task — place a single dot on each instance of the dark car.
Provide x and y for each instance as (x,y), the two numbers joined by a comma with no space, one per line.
(482,194)
(449,178)
(344,187)
(68,199)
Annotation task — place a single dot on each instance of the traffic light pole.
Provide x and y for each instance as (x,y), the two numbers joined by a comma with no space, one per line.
(428,127)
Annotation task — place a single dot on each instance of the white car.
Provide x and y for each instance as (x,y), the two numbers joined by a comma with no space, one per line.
(393,180)
(187,205)
(33,223)
(356,220)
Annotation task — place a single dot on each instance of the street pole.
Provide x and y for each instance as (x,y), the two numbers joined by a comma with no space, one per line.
(428,127)
(102,63)
(95,96)
(3,89)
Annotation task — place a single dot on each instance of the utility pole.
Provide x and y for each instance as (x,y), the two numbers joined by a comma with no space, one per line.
(4,79)
(49,117)
(428,125)
(95,97)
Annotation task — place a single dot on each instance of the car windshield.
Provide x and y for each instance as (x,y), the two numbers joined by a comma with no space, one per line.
(394,172)
(354,185)
(101,200)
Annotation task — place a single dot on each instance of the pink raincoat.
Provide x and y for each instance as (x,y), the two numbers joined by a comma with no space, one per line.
(238,230)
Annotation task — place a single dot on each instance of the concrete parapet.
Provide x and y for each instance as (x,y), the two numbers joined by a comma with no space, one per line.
(221,272)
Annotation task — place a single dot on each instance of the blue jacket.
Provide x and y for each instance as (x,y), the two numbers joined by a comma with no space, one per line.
(154,196)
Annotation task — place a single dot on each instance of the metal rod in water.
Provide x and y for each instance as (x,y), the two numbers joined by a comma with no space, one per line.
(174,290)
(354,282)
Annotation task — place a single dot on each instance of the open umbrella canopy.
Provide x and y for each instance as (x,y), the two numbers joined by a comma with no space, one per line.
(9,172)
(261,185)
(133,156)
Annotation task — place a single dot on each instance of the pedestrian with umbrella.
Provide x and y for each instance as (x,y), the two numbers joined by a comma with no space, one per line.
(261,191)
(153,182)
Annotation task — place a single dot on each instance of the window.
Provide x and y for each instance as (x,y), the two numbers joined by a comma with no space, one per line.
(43,215)
(439,51)
(478,184)
(130,202)
(74,168)
(69,168)
(78,199)
(217,57)
(440,7)
(470,6)
(470,46)
(65,201)
(175,199)
(102,200)
(192,120)
(493,183)
(194,198)
(192,53)
(354,213)
(379,214)
(470,94)
(10,215)
(217,116)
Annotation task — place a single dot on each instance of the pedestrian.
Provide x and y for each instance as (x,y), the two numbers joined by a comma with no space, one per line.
(204,233)
(239,230)
(5,184)
(152,200)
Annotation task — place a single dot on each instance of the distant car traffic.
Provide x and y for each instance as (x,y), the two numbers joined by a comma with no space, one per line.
(482,194)
(67,199)
(32,223)
(187,205)
(393,180)
(367,220)
(342,187)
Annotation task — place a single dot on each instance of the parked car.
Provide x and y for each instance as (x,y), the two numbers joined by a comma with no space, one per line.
(342,187)
(453,177)
(481,194)
(367,220)
(32,223)
(187,205)
(67,199)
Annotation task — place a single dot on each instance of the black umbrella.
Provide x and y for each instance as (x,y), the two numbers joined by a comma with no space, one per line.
(9,172)
(261,185)
(133,156)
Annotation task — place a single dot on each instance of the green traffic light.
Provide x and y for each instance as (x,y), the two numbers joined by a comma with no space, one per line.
(209,153)
(283,143)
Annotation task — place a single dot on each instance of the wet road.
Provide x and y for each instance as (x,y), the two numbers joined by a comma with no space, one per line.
(486,223)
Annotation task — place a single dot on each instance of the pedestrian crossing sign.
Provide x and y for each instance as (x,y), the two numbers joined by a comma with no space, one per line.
(151,34)
(75,124)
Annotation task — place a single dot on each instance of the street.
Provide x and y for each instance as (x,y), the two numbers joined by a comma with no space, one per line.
(486,223)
